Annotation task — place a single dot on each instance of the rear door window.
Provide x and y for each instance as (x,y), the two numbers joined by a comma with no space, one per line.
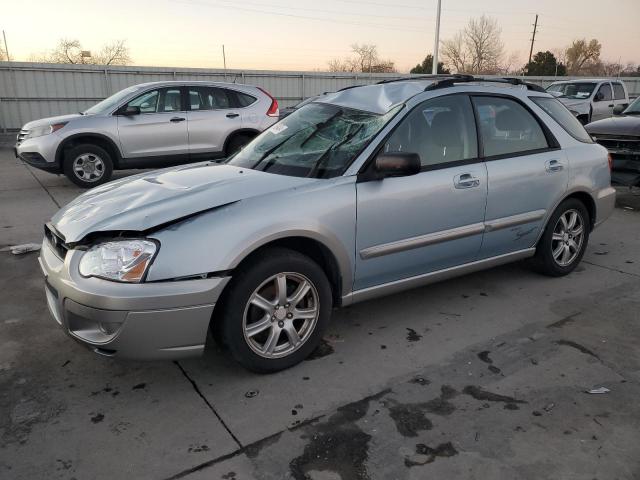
(618,91)
(506,127)
(170,100)
(208,98)
(605,90)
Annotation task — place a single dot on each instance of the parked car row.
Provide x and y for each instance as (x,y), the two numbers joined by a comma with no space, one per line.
(359,193)
(146,126)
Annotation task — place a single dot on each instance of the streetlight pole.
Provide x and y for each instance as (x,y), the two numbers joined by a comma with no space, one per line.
(434,67)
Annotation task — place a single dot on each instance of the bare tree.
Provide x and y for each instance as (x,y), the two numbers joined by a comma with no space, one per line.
(114,53)
(71,51)
(583,57)
(364,58)
(3,52)
(478,48)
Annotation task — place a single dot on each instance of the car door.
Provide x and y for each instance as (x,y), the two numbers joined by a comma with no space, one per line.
(160,130)
(619,95)
(527,174)
(212,117)
(412,225)
(602,102)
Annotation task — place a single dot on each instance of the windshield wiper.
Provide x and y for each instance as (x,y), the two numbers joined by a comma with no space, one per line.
(325,155)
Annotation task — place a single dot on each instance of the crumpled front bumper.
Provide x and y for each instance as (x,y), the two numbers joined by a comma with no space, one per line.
(158,320)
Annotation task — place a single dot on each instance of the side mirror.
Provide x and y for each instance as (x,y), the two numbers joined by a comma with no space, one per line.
(599,97)
(397,164)
(618,109)
(130,110)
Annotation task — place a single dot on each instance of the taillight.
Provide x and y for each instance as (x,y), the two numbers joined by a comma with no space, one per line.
(610,162)
(273,108)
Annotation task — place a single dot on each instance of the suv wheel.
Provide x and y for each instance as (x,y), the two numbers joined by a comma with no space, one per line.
(275,312)
(87,165)
(564,240)
(236,143)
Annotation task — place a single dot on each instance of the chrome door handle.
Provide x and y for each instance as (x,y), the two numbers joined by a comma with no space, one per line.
(553,166)
(177,119)
(465,180)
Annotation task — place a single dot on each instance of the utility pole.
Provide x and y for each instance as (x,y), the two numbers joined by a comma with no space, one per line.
(533,38)
(6,47)
(224,62)
(434,67)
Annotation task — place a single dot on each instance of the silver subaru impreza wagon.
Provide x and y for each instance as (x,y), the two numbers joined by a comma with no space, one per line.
(360,193)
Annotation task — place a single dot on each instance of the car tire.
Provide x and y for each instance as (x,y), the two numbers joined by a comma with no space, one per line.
(236,143)
(87,165)
(260,335)
(564,240)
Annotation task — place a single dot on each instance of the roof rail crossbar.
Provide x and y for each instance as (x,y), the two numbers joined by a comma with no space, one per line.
(450,82)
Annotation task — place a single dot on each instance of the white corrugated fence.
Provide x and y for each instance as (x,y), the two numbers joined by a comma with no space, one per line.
(29,91)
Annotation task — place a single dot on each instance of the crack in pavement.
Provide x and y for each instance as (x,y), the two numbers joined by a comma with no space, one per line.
(211,407)
(43,187)
(249,449)
(611,268)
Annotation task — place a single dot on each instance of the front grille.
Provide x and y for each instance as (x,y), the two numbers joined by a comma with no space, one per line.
(622,144)
(21,136)
(56,242)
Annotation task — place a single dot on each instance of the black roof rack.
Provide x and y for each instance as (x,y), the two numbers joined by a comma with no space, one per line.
(451,81)
(443,76)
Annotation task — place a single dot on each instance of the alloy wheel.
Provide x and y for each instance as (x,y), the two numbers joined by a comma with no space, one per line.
(281,315)
(567,238)
(88,167)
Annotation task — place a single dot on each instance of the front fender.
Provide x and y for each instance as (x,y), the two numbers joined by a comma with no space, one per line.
(219,240)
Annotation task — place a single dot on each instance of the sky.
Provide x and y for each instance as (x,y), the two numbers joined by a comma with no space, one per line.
(306,34)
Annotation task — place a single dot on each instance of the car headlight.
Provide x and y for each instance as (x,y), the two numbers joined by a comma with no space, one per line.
(119,260)
(45,130)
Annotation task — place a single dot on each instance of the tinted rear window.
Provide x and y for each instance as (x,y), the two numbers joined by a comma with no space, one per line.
(564,117)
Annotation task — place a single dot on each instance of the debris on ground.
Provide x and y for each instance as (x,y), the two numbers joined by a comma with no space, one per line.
(22,249)
(599,390)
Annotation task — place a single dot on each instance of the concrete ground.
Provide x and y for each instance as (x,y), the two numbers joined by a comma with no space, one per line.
(481,377)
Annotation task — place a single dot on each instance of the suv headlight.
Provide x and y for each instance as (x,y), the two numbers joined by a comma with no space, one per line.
(120,260)
(45,130)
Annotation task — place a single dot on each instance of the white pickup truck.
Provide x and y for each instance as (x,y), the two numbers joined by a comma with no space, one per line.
(591,99)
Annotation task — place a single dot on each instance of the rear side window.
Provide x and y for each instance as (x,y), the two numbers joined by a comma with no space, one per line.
(506,127)
(208,98)
(618,91)
(563,116)
(239,99)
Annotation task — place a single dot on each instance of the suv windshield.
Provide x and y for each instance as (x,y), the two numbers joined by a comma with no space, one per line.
(319,140)
(577,90)
(108,103)
(634,108)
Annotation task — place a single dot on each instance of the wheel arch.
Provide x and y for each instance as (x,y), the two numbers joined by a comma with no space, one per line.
(98,139)
(313,247)
(241,131)
(587,200)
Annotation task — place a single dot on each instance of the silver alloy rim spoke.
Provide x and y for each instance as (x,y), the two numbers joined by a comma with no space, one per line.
(299,294)
(281,289)
(262,303)
(276,324)
(260,326)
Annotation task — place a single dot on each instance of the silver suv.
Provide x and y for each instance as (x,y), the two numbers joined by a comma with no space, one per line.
(360,193)
(147,126)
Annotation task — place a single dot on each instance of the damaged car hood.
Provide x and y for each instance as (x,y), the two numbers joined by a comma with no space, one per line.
(150,199)
(622,125)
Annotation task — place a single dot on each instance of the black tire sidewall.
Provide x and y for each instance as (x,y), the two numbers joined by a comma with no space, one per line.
(236,143)
(544,260)
(245,280)
(73,153)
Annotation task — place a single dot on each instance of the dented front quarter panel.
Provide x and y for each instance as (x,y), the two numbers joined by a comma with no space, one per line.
(219,240)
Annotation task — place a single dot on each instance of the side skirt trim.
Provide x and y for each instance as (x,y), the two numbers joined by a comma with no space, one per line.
(432,277)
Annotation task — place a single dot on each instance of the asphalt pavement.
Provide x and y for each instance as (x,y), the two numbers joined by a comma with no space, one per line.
(480,377)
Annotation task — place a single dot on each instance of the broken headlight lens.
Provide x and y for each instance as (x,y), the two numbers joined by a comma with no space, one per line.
(120,261)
